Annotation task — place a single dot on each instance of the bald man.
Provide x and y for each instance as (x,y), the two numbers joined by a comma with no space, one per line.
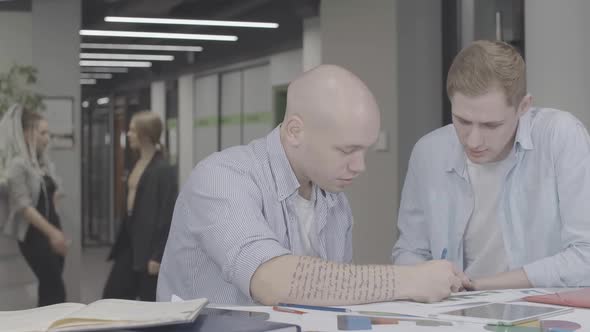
(267,222)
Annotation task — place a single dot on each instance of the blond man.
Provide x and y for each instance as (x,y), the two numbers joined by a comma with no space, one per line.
(503,191)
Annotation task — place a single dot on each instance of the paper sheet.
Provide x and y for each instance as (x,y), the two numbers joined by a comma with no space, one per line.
(456,300)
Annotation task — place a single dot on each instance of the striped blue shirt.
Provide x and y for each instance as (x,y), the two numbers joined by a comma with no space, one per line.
(237,211)
(544,207)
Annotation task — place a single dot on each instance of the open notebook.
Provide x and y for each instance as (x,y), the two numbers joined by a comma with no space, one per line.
(100,315)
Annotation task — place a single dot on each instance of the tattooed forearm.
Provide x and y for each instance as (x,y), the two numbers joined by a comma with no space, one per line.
(319,281)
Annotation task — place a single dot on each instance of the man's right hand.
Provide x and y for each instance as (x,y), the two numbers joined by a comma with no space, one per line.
(428,282)
(58,242)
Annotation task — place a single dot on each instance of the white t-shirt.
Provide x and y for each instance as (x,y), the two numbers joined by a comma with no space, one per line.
(304,209)
(484,253)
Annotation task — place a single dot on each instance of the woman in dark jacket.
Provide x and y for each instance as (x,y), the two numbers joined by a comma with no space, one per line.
(151,194)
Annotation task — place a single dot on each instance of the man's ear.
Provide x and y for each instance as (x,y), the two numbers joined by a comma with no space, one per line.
(525,104)
(293,128)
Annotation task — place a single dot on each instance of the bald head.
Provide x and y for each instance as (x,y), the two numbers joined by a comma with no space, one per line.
(328,92)
(331,120)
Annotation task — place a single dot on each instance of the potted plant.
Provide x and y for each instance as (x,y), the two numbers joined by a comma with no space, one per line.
(15,87)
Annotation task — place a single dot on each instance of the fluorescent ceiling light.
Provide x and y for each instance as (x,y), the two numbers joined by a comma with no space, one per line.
(92,63)
(104,70)
(101,76)
(142,47)
(162,35)
(153,20)
(117,56)
(87,81)
(103,100)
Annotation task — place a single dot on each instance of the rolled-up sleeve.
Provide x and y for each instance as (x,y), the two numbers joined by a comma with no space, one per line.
(571,266)
(225,215)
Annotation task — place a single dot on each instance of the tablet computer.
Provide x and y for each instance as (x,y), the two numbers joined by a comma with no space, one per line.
(501,313)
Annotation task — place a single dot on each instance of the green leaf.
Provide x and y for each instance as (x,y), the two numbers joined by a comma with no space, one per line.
(15,87)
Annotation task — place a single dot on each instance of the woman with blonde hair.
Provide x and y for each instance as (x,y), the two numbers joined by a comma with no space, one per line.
(151,194)
(31,189)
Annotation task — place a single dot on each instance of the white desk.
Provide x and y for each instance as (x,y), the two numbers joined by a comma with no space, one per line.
(327,321)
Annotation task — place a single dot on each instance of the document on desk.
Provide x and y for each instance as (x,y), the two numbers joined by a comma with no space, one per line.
(479,297)
(456,300)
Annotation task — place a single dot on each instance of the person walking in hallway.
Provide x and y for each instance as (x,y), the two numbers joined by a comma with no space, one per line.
(151,193)
(32,191)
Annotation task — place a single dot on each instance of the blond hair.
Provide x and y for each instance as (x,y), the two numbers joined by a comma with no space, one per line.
(485,65)
(30,122)
(148,125)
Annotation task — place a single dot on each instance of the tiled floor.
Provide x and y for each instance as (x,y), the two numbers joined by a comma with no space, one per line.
(95,270)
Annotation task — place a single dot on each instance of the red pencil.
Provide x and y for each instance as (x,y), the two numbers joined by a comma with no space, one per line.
(289,310)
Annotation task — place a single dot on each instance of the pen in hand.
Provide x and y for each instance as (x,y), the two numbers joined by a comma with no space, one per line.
(467,283)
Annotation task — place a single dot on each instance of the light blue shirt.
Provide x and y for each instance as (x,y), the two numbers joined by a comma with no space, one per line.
(236,212)
(544,208)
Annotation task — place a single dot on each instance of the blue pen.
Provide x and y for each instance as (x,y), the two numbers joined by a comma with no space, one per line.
(313,307)
(443,255)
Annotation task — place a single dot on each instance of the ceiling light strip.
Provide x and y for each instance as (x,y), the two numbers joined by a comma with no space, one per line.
(161,35)
(104,69)
(100,76)
(142,47)
(154,20)
(87,81)
(117,56)
(96,63)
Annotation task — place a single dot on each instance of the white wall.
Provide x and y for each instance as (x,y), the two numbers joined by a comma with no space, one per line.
(557,53)
(285,66)
(363,39)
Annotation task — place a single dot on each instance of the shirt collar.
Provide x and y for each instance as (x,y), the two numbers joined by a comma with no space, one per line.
(524,132)
(456,159)
(523,139)
(285,180)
